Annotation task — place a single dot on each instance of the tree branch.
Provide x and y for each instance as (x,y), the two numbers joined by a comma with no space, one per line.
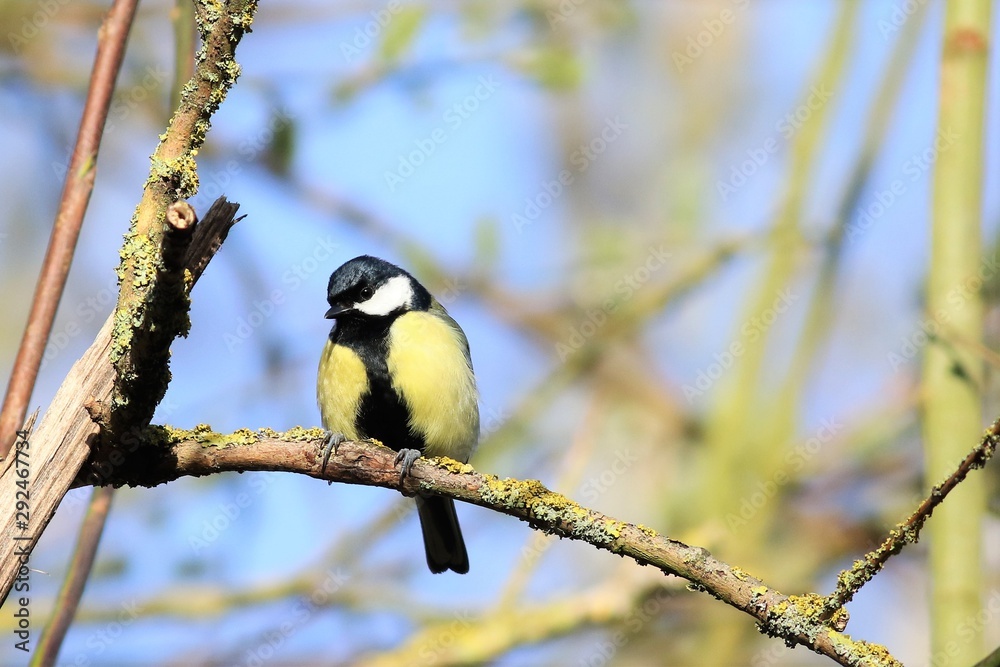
(151,311)
(908,532)
(169,454)
(60,446)
(486,637)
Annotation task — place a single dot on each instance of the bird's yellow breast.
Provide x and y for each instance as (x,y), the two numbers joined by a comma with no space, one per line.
(341,384)
(429,368)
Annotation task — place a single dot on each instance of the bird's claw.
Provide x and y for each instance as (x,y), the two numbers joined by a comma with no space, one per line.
(406,457)
(330,444)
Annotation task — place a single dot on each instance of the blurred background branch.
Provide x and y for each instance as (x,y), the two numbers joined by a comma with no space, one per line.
(953,373)
(72,589)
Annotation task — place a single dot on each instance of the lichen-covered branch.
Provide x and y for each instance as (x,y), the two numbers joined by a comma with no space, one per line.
(795,619)
(57,450)
(850,581)
(192,245)
(149,314)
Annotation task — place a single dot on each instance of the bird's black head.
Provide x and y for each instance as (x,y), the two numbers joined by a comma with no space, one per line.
(369,287)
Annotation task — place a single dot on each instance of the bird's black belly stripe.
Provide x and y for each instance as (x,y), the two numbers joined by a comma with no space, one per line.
(382,414)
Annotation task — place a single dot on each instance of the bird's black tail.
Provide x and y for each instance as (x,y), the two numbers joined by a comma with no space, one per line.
(442,535)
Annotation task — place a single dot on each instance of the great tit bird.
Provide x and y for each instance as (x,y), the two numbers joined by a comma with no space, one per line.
(397,368)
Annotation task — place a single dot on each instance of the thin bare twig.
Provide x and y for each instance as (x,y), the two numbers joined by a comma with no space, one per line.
(850,581)
(79,570)
(66,230)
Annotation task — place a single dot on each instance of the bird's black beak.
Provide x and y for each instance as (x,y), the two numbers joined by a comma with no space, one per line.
(335,311)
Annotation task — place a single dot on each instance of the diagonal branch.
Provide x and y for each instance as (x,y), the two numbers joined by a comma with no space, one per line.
(171,454)
(908,532)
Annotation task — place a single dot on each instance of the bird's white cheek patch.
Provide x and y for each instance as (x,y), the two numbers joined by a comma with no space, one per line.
(395,294)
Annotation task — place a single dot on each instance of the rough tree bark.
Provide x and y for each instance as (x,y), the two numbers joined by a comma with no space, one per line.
(57,449)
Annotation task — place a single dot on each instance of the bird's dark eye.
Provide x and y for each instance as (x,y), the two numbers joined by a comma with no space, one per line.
(367,292)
